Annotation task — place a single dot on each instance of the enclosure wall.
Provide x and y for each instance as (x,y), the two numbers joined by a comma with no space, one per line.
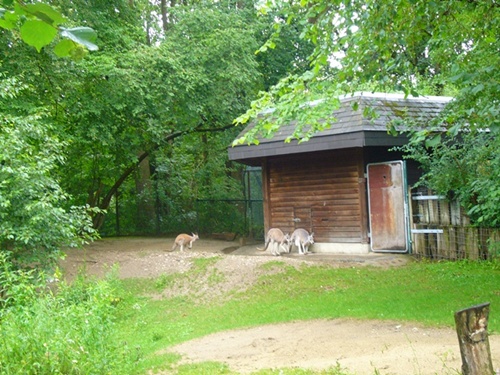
(322,192)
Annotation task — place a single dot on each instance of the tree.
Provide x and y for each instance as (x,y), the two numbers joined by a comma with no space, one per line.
(34,224)
(411,46)
(127,105)
(149,97)
(35,220)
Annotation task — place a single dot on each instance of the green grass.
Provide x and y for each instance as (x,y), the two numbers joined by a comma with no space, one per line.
(423,292)
(64,330)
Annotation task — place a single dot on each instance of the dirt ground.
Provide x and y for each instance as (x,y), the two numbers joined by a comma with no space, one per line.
(361,347)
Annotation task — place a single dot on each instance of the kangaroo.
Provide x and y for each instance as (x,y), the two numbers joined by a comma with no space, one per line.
(302,239)
(278,240)
(183,239)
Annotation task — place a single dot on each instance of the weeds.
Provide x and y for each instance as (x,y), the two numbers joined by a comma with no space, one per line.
(66,331)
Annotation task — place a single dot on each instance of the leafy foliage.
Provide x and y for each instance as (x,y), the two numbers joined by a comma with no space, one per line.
(39,24)
(396,46)
(465,167)
(34,223)
(287,55)
(17,287)
(135,103)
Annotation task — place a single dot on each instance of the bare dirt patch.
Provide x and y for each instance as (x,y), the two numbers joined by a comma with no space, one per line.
(362,347)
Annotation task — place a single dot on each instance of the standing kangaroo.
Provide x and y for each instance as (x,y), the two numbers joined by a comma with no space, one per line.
(183,239)
(302,239)
(278,239)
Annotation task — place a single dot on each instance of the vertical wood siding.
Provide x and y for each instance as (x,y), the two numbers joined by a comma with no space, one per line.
(320,192)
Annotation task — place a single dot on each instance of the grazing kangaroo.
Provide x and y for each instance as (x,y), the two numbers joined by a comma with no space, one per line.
(183,239)
(302,239)
(278,239)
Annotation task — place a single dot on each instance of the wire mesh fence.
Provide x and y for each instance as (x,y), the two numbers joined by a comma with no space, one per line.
(231,217)
(161,214)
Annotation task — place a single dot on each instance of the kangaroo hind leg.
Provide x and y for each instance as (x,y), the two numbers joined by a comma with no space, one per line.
(276,249)
(301,248)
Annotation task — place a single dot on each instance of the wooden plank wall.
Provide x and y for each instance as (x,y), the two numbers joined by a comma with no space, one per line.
(457,240)
(322,193)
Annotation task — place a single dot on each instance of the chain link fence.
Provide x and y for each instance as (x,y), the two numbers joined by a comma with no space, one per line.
(226,218)
(230,217)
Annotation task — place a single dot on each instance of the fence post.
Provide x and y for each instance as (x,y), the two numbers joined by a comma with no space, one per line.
(472,330)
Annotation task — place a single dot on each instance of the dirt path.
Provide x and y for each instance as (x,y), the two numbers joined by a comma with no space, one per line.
(362,347)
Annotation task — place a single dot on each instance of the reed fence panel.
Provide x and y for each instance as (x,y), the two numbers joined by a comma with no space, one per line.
(440,229)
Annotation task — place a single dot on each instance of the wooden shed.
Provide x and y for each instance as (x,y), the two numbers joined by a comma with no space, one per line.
(344,184)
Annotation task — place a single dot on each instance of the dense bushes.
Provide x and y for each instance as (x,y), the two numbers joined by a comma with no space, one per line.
(63,329)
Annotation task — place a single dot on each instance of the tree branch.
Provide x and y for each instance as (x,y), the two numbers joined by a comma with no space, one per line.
(98,219)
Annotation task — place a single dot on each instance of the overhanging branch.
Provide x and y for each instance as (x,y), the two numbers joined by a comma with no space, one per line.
(98,219)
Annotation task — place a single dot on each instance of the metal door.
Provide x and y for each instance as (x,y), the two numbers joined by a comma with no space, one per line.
(388,207)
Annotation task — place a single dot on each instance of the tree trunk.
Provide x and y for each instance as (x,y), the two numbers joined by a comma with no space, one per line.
(146,213)
(164,17)
(98,219)
(472,330)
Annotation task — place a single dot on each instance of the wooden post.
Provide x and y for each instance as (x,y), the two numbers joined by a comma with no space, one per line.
(472,330)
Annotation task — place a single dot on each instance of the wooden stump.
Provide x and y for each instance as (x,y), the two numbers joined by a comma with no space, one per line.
(472,331)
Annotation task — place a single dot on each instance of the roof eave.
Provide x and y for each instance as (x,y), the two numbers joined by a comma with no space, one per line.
(318,143)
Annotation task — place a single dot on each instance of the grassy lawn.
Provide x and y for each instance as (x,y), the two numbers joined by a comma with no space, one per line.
(423,292)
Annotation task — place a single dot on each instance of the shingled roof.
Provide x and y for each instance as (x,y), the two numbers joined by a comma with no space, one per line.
(352,129)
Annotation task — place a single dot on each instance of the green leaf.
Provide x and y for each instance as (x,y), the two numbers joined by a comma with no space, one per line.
(6,24)
(261,49)
(478,88)
(434,141)
(391,129)
(8,19)
(308,75)
(453,130)
(37,33)
(82,35)
(64,48)
(45,13)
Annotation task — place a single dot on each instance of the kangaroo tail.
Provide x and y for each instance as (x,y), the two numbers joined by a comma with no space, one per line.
(265,247)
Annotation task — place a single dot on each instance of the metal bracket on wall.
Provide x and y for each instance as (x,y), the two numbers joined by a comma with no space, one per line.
(438,231)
